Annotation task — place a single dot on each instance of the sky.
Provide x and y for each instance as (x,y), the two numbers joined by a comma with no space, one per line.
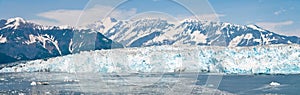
(279,16)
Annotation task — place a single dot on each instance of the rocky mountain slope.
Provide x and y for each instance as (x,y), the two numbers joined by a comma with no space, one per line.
(23,40)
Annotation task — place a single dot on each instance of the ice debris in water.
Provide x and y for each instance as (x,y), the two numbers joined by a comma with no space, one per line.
(274,84)
(67,79)
(2,79)
(33,83)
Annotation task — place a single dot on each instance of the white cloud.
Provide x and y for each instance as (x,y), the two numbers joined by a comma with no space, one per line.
(98,12)
(273,26)
(45,22)
(71,17)
(291,32)
(210,17)
(204,17)
(277,27)
(279,12)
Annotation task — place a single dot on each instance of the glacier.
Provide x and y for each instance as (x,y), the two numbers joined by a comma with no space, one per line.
(272,59)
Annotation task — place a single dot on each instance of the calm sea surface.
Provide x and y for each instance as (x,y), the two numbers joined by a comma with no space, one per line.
(49,83)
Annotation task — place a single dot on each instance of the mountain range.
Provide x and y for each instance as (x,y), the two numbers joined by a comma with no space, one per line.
(23,40)
(152,32)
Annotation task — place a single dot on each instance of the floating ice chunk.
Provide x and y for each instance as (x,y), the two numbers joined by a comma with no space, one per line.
(70,80)
(274,84)
(33,83)
(21,93)
(42,83)
(2,79)
(48,93)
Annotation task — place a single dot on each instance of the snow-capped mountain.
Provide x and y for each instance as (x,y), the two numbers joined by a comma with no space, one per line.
(152,31)
(23,40)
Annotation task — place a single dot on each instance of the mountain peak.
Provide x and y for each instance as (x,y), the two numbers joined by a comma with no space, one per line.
(109,19)
(14,22)
(255,27)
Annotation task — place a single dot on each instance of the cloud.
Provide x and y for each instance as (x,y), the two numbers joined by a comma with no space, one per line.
(293,32)
(81,17)
(45,22)
(204,17)
(99,12)
(279,12)
(273,26)
(210,17)
(278,27)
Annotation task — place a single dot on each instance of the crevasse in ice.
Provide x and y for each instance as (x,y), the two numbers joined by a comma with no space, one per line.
(275,59)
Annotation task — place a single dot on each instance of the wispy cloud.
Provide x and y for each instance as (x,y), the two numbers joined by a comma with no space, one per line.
(279,12)
(277,27)
(204,17)
(274,25)
(46,22)
(295,32)
(210,17)
(81,17)
(98,12)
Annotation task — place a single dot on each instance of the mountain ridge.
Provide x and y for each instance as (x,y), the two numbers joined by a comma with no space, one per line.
(148,32)
(23,40)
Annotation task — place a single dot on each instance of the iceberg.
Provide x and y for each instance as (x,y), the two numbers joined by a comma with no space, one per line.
(273,59)
(274,84)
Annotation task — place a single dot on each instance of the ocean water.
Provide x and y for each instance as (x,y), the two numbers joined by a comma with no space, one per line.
(52,83)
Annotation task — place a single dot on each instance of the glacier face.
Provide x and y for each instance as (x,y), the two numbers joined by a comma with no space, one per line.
(275,59)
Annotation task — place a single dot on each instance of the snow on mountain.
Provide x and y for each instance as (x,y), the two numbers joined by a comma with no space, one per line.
(2,39)
(14,22)
(274,59)
(255,27)
(102,25)
(23,40)
(154,31)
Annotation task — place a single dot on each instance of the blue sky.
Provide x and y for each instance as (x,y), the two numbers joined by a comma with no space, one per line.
(280,16)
